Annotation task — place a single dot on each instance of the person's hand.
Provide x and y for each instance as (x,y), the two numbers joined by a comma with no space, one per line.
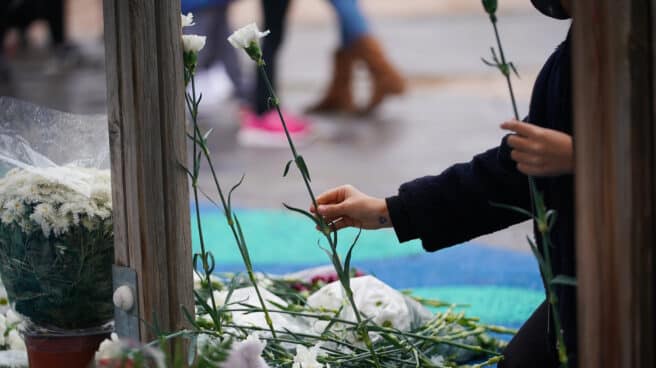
(346,206)
(540,151)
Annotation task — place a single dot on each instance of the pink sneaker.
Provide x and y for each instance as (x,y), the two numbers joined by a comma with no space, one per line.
(267,130)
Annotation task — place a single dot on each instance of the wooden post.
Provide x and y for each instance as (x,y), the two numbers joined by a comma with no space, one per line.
(615,144)
(147,143)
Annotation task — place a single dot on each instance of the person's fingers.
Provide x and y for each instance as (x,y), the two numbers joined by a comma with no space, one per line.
(526,158)
(332,210)
(521,128)
(331,196)
(520,143)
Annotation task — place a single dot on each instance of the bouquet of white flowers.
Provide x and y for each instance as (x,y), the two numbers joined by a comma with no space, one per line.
(56,239)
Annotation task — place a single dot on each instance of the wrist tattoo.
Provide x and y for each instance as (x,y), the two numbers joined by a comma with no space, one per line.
(382,220)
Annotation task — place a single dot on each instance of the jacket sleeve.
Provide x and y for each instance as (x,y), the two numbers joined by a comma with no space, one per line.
(456,205)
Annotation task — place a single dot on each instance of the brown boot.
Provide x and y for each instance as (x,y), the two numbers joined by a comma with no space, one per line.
(385,78)
(338,97)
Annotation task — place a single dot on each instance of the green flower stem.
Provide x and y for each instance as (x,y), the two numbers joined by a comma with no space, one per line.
(199,141)
(445,339)
(493,360)
(305,335)
(192,104)
(505,64)
(276,103)
(539,217)
(235,233)
(344,276)
(553,301)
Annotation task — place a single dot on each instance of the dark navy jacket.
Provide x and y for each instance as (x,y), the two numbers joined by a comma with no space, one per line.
(454,206)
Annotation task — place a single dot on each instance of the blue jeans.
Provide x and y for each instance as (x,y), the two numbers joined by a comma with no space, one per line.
(352,22)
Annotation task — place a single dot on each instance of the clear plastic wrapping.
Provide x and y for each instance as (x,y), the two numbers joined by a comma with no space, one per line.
(56,240)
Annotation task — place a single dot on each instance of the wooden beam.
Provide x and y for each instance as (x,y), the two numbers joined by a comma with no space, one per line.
(147,143)
(615,144)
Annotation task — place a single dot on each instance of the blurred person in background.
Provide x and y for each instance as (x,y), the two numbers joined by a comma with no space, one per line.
(20,14)
(260,123)
(357,44)
(218,58)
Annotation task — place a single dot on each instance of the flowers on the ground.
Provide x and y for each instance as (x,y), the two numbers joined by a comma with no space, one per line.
(246,354)
(307,358)
(437,360)
(384,305)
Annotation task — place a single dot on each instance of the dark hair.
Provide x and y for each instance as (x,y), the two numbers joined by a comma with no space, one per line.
(551,8)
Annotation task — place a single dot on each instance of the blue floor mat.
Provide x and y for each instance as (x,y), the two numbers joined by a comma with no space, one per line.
(501,286)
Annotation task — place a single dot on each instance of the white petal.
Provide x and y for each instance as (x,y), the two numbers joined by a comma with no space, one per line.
(193,43)
(187,20)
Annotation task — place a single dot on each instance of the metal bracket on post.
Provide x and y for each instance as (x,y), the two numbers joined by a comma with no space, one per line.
(126,302)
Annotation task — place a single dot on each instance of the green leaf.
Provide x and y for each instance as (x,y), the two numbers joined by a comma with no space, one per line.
(488,63)
(494,55)
(564,280)
(209,198)
(537,254)
(302,212)
(332,320)
(232,190)
(211,262)
(334,259)
(242,244)
(552,216)
(347,261)
(512,208)
(207,134)
(512,66)
(187,170)
(289,164)
(300,163)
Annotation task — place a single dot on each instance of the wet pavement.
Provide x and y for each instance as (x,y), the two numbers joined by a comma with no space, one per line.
(451,111)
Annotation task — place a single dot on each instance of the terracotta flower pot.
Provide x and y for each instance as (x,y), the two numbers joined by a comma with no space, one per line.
(73,351)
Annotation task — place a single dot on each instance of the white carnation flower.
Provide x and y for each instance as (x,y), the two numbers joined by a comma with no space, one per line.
(307,358)
(246,354)
(244,36)
(193,43)
(55,198)
(385,306)
(4,298)
(3,329)
(187,20)
(13,319)
(110,348)
(438,360)
(15,341)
